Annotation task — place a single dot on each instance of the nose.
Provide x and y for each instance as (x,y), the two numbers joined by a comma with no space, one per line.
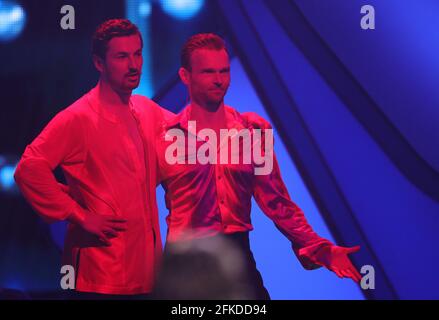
(135,62)
(218,80)
(131,63)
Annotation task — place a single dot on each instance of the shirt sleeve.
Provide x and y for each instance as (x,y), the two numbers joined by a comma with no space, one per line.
(58,144)
(162,116)
(272,197)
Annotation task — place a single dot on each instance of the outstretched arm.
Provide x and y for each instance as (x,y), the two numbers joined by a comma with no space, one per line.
(312,250)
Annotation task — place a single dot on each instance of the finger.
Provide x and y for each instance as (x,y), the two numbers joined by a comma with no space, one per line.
(115,220)
(109,217)
(344,273)
(353,270)
(356,273)
(105,242)
(116,227)
(64,188)
(337,273)
(110,233)
(103,238)
(111,236)
(348,274)
(353,249)
(355,276)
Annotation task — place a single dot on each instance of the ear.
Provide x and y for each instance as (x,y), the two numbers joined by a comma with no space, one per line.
(99,63)
(184,75)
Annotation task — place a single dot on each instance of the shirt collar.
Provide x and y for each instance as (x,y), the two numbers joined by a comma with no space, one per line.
(105,113)
(234,119)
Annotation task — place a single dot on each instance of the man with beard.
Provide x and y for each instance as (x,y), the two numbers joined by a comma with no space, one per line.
(207,254)
(113,240)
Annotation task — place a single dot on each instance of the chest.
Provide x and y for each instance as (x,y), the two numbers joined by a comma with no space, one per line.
(205,154)
(116,146)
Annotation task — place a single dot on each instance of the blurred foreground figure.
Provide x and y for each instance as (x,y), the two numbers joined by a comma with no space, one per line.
(209,268)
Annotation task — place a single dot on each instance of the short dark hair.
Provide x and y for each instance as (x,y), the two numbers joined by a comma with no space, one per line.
(109,30)
(200,41)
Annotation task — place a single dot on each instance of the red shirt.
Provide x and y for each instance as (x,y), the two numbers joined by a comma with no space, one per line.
(109,162)
(207,199)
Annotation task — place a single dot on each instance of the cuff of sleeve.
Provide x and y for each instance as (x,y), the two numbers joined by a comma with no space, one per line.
(309,256)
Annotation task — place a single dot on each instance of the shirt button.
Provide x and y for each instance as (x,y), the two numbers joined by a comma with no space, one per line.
(219,177)
(222,201)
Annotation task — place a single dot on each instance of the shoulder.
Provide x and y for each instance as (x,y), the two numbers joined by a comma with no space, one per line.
(65,127)
(141,102)
(71,114)
(78,110)
(147,106)
(250,119)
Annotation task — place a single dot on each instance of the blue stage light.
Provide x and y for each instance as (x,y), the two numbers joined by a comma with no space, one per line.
(145,8)
(7,177)
(182,9)
(12,20)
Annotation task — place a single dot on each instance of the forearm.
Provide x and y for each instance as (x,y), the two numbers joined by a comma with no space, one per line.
(272,196)
(38,184)
(306,243)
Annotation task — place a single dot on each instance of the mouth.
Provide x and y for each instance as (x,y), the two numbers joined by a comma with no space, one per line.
(133,77)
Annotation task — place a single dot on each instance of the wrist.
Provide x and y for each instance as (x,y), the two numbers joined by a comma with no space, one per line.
(77,215)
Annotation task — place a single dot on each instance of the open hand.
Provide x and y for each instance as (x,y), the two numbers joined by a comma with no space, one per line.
(336,259)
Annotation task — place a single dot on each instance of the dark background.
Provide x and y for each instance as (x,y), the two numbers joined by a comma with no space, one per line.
(355,114)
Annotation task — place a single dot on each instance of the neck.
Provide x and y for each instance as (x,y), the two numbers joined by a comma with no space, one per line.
(208,117)
(108,96)
(207,110)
